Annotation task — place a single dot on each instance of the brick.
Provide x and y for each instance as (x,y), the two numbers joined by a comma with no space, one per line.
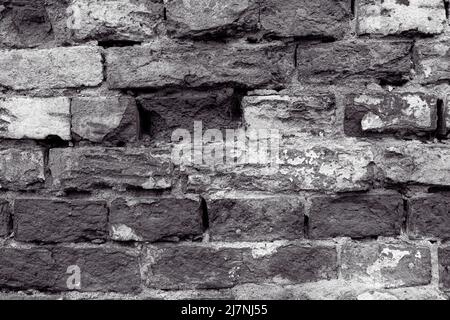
(201,267)
(54,220)
(35,118)
(432,58)
(105,119)
(394,17)
(444,268)
(46,268)
(304,18)
(429,216)
(356,216)
(94,168)
(21,169)
(211,17)
(114,20)
(155,219)
(390,113)
(25,24)
(281,19)
(173,63)
(306,113)
(390,265)
(5,218)
(66,67)
(416,163)
(362,60)
(313,166)
(167,112)
(255,218)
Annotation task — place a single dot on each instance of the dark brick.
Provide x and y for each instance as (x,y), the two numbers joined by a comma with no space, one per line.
(5,218)
(155,219)
(94,168)
(162,114)
(201,267)
(59,220)
(444,268)
(391,265)
(356,216)
(45,268)
(361,60)
(256,219)
(429,216)
(390,113)
(162,63)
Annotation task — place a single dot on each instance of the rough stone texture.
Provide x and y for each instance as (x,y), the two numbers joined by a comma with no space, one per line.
(429,216)
(356,215)
(155,219)
(388,17)
(444,268)
(197,267)
(52,220)
(21,169)
(105,119)
(396,265)
(51,68)
(46,268)
(364,60)
(255,218)
(407,112)
(308,113)
(432,59)
(171,63)
(114,20)
(302,165)
(93,168)
(164,113)
(5,218)
(304,18)
(35,118)
(417,163)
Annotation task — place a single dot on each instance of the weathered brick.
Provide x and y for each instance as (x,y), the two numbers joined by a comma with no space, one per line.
(105,119)
(114,20)
(304,18)
(51,68)
(415,162)
(255,218)
(196,18)
(54,220)
(46,268)
(201,267)
(316,165)
(172,63)
(155,219)
(396,113)
(93,168)
(21,169)
(24,24)
(5,218)
(429,216)
(35,118)
(163,113)
(432,59)
(308,113)
(278,18)
(366,60)
(387,17)
(356,215)
(396,265)
(444,268)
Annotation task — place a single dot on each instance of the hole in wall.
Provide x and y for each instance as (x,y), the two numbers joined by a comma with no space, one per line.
(441,127)
(205,215)
(118,43)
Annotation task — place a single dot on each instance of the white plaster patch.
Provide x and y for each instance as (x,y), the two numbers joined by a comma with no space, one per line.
(122,232)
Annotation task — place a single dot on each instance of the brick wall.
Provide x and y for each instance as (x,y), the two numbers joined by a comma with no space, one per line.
(357,206)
